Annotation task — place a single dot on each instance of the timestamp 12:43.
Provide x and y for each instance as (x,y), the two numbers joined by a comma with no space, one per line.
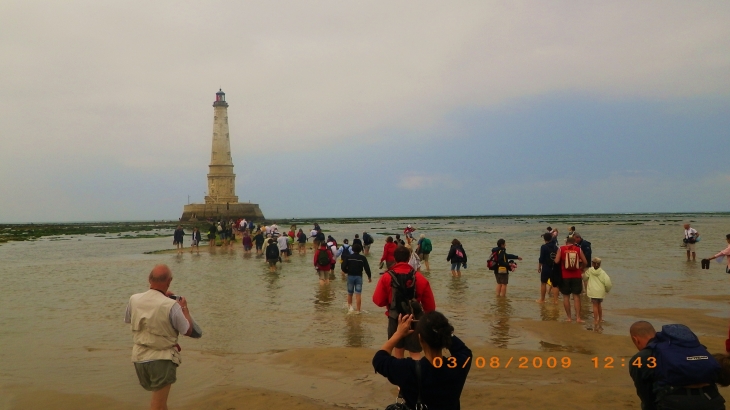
(609,362)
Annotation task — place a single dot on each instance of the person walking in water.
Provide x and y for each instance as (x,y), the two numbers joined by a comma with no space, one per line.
(195,240)
(548,270)
(177,238)
(388,250)
(690,239)
(323,261)
(502,266)
(423,250)
(722,254)
(457,257)
(572,257)
(353,266)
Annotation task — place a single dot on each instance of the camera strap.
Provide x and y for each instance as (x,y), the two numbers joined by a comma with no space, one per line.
(419,404)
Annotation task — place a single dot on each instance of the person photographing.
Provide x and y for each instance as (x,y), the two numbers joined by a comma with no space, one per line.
(440,382)
(157,318)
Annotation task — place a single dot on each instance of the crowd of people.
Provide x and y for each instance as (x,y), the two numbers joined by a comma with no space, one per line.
(662,372)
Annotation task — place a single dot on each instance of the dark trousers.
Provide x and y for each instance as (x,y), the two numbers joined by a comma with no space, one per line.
(707,398)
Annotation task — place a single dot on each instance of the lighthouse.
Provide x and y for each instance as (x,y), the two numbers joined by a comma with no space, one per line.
(221,179)
(221,201)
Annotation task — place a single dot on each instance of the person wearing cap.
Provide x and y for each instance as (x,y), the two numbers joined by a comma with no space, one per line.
(598,284)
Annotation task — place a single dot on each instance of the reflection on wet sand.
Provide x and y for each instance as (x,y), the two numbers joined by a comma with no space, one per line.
(500,335)
(355,335)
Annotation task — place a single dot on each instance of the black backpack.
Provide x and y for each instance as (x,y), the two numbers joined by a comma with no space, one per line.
(319,237)
(323,258)
(367,239)
(403,295)
(272,251)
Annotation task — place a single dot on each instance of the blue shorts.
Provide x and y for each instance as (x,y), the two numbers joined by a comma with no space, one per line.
(456,266)
(354,284)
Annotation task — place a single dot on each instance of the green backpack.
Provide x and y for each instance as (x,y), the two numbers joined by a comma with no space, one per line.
(426,246)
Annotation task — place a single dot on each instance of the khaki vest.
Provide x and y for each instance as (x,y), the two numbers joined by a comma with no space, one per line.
(153,334)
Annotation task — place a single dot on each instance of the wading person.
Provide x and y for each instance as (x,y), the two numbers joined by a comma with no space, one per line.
(547,268)
(353,266)
(502,266)
(665,378)
(283,243)
(690,239)
(572,284)
(323,261)
(457,257)
(156,321)
(388,250)
(403,291)
(722,254)
(272,254)
(302,242)
(342,254)
(424,249)
(598,284)
(441,382)
(177,238)
(195,242)
(211,235)
(367,240)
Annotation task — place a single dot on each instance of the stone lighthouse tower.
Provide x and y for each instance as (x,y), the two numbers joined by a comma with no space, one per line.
(221,179)
(221,201)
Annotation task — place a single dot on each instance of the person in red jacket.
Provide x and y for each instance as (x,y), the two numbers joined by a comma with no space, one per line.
(388,250)
(383,295)
(323,264)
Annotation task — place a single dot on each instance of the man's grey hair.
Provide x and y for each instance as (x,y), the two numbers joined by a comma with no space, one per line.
(160,274)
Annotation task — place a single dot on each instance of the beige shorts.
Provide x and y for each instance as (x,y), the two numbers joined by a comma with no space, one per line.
(323,274)
(423,256)
(691,247)
(156,374)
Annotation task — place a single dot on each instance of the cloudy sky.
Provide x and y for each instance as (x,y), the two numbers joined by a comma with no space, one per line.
(377,108)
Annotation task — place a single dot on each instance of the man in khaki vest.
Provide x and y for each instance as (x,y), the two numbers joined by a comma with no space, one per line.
(156,321)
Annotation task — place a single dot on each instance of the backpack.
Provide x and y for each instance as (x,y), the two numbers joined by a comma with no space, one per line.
(319,237)
(345,253)
(492,261)
(323,258)
(403,294)
(572,258)
(426,246)
(458,253)
(367,239)
(272,251)
(680,358)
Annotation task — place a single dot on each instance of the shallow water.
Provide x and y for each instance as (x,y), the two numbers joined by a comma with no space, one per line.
(63,300)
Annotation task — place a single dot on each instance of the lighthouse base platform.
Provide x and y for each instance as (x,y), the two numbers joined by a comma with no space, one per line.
(203,212)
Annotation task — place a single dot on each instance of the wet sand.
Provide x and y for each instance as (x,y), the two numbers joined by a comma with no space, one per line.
(336,378)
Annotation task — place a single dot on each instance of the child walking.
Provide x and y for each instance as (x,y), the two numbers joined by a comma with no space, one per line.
(598,285)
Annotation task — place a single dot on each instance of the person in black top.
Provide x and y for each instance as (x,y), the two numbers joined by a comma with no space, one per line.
(502,267)
(177,238)
(441,381)
(457,257)
(353,266)
(547,268)
(367,240)
(356,240)
(585,246)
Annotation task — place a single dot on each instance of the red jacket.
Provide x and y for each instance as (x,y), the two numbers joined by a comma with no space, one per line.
(323,267)
(388,250)
(424,294)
